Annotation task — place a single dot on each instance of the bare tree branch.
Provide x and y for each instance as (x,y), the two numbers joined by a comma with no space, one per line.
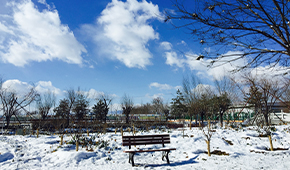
(259,29)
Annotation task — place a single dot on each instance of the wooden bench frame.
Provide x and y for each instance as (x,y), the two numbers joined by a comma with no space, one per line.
(147,140)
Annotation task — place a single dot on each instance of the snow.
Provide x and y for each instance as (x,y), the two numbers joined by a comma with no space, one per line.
(247,152)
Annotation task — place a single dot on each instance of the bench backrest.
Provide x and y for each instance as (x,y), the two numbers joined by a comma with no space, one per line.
(146,140)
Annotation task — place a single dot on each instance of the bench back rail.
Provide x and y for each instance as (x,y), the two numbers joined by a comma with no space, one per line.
(146,140)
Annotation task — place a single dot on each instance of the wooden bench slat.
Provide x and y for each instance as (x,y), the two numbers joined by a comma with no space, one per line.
(153,150)
(125,139)
(146,139)
(139,141)
(145,143)
(144,136)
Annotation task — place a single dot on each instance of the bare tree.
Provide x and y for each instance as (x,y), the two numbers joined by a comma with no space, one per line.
(127,106)
(157,104)
(198,97)
(44,103)
(166,110)
(226,94)
(207,132)
(259,29)
(106,100)
(13,102)
(263,94)
(71,96)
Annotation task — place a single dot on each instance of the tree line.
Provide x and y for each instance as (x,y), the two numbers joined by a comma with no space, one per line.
(246,91)
(195,100)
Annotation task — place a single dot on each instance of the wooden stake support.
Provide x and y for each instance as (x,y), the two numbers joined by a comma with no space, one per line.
(61,140)
(271,144)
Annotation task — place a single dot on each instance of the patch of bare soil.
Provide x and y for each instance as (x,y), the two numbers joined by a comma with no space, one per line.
(277,149)
(218,152)
(228,141)
(268,149)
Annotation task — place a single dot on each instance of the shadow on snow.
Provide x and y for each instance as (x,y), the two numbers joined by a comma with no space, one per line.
(185,162)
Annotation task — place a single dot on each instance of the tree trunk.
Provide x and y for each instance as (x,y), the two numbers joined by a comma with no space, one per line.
(208,148)
(7,121)
(221,118)
(127,118)
(266,119)
(67,119)
(201,117)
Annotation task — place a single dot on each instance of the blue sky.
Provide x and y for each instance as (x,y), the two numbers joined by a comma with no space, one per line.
(102,46)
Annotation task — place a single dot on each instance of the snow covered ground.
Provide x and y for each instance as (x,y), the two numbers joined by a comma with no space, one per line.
(247,152)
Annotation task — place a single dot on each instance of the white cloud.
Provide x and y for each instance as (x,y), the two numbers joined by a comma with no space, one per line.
(42,1)
(166,45)
(21,88)
(269,72)
(43,87)
(154,96)
(160,86)
(182,42)
(221,69)
(93,94)
(16,86)
(193,64)
(178,87)
(218,71)
(122,32)
(35,35)
(172,59)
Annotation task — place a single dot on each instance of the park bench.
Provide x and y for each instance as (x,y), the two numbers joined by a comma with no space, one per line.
(147,140)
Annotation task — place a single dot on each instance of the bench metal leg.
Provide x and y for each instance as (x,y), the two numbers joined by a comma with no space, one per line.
(131,158)
(165,154)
